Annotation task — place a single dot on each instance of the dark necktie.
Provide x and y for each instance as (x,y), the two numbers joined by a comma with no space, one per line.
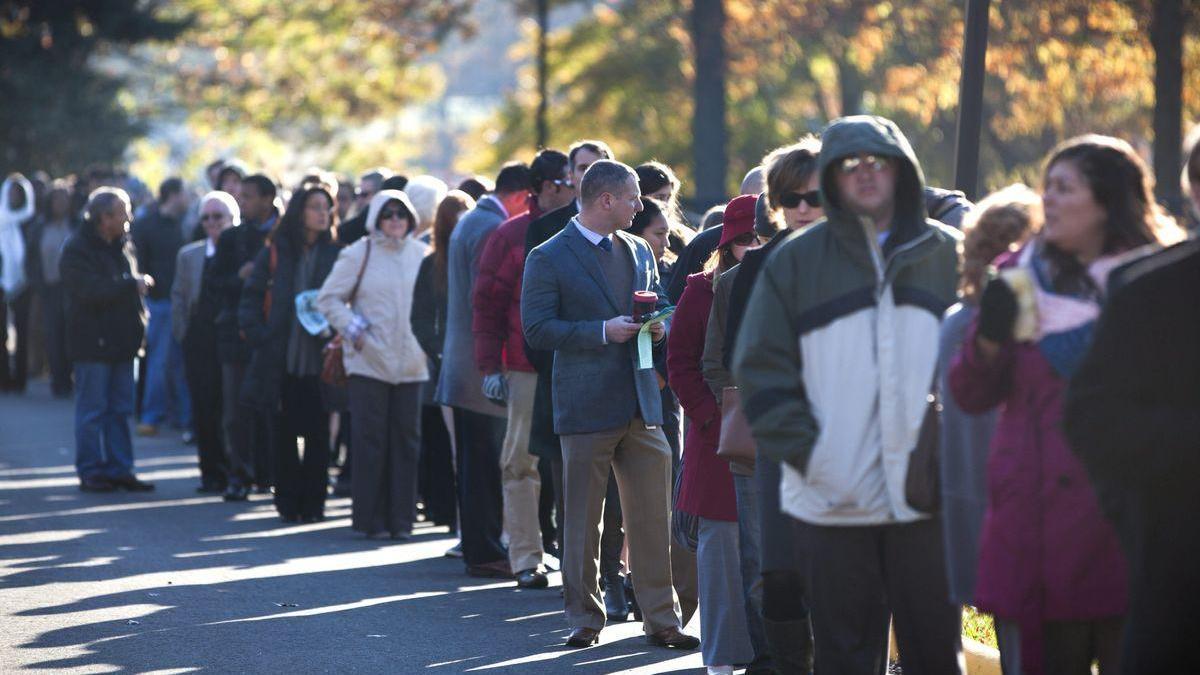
(605,244)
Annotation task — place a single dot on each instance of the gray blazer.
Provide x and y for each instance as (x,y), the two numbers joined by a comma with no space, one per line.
(460,384)
(185,291)
(565,300)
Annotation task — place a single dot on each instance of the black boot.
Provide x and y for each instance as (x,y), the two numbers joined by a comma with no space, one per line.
(791,645)
(633,603)
(616,604)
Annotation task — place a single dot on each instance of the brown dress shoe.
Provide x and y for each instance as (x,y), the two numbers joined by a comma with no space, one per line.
(583,637)
(673,638)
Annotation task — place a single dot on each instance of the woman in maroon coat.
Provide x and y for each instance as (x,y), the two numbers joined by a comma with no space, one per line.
(707,488)
(1049,561)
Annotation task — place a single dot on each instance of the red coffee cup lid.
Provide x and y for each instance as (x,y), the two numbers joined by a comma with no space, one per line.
(645,295)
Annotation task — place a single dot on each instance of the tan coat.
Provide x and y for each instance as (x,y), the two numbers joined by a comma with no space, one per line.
(390,353)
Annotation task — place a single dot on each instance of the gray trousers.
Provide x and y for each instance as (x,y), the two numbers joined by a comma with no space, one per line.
(726,638)
(386,437)
(749,550)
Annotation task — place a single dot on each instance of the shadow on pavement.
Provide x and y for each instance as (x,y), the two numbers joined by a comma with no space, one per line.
(176,581)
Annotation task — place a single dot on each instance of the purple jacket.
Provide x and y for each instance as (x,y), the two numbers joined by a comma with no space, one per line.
(1046,552)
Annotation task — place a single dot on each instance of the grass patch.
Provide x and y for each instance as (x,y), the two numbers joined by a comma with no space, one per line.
(979,626)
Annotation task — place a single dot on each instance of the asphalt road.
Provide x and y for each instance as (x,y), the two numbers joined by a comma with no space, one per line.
(175,582)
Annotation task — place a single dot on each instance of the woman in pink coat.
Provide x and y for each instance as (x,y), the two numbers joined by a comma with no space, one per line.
(1049,560)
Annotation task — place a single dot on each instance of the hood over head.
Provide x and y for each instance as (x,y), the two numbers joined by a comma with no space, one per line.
(6,208)
(868,134)
(383,197)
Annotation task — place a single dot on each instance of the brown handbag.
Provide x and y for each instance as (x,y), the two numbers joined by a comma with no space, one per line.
(923,482)
(737,443)
(333,369)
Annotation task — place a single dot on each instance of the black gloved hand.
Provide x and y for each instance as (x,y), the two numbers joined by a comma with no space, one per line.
(997,312)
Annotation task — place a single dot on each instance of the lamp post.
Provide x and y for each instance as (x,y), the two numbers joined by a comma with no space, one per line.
(970,98)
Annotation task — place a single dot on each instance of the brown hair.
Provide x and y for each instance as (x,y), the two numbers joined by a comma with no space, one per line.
(998,223)
(788,169)
(1123,186)
(721,260)
(453,205)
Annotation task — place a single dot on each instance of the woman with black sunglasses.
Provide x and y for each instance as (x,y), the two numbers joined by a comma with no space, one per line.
(771,561)
(368,299)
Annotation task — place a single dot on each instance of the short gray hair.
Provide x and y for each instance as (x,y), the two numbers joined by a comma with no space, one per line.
(102,200)
(604,175)
(226,200)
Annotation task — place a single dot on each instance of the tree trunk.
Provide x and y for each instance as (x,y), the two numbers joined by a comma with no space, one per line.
(851,87)
(1166,35)
(709,135)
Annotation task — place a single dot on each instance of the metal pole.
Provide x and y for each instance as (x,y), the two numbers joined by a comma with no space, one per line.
(1166,34)
(543,19)
(970,98)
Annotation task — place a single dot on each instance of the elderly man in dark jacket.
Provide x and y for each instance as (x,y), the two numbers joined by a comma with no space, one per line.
(105,327)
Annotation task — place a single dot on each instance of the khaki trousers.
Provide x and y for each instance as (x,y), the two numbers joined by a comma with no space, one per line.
(641,460)
(519,476)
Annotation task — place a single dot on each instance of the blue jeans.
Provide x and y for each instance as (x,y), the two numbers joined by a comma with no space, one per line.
(103,404)
(164,370)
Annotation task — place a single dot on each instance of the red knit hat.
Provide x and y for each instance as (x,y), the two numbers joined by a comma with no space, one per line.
(739,218)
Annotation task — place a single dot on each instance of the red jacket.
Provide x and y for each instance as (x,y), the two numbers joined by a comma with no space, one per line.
(707,488)
(499,338)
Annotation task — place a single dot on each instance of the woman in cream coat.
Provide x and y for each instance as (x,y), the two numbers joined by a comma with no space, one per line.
(385,364)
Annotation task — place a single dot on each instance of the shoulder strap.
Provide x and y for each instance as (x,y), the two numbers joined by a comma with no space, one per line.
(361,271)
(274,260)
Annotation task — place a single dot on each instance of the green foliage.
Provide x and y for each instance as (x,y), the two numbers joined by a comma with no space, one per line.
(60,111)
(308,68)
(979,627)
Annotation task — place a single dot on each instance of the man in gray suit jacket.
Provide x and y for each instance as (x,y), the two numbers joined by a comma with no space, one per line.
(193,324)
(479,422)
(576,300)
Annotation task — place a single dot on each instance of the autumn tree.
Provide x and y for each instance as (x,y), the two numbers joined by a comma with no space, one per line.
(1054,69)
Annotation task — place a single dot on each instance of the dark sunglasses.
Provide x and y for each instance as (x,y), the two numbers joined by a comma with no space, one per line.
(392,213)
(791,200)
(747,239)
(875,163)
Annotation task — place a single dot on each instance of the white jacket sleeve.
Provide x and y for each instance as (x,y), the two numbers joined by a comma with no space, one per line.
(331,301)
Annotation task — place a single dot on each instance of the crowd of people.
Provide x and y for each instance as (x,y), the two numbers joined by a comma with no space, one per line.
(843,401)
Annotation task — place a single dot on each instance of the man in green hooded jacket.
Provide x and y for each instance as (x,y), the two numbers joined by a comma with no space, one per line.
(836,359)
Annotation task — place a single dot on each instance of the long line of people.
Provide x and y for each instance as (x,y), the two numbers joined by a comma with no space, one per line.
(853,401)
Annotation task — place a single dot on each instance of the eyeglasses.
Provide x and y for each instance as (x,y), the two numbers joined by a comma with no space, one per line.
(211,216)
(392,213)
(561,182)
(791,200)
(873,162)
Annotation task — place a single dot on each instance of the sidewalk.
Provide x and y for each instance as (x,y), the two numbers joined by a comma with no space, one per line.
(173,581)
